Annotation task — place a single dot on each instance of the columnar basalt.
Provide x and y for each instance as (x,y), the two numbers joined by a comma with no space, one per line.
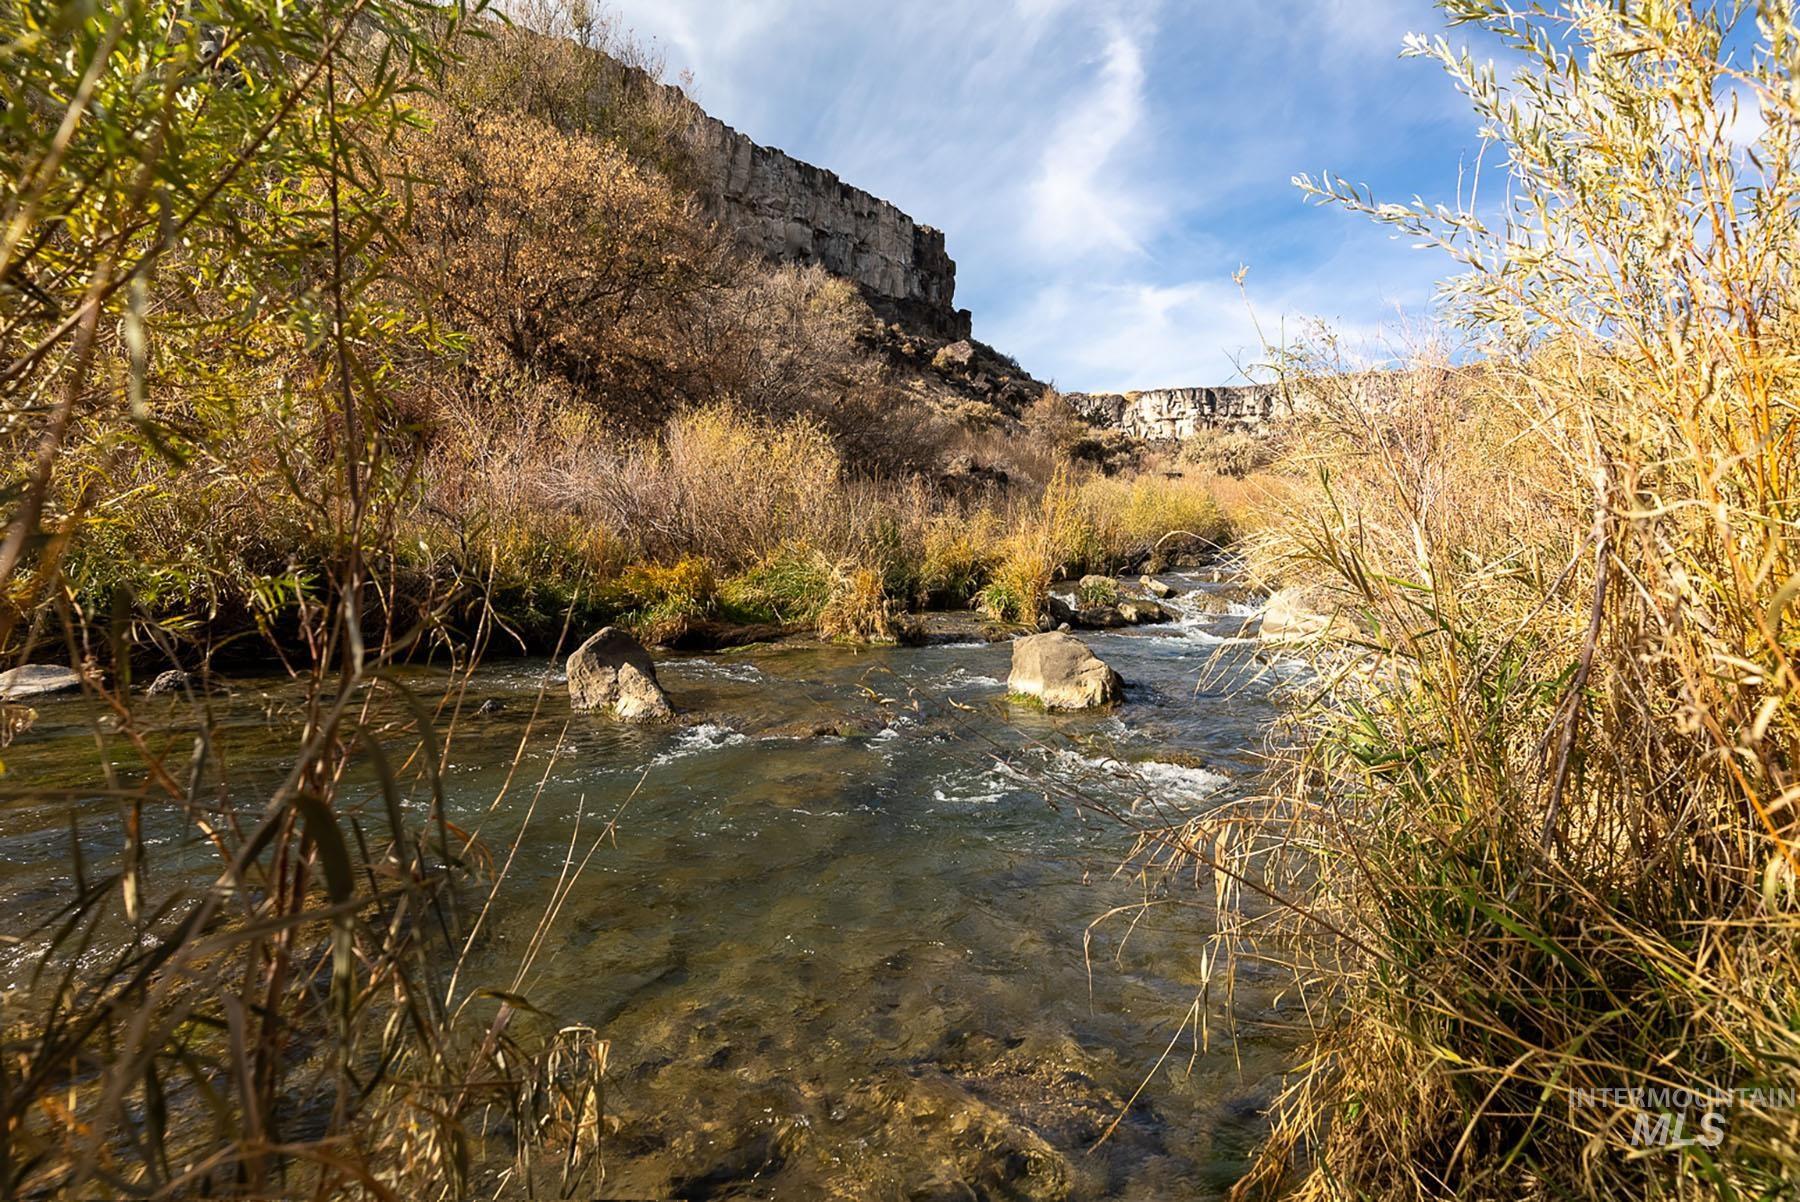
(792,211)
(1177,413)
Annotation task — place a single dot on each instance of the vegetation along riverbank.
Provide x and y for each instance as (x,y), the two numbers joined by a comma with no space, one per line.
(1418,738)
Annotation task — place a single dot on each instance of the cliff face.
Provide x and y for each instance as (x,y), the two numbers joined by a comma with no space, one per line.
(1174,413)
(795,212)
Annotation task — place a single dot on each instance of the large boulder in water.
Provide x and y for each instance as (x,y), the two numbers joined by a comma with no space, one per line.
(1100,617)
(613,672)
(37,680)
(1059,670)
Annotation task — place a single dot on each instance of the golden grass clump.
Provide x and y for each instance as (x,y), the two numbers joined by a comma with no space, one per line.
(858,609)
(736,487)
(1147,520)
(958,554)
(1019,586)
(1048,539)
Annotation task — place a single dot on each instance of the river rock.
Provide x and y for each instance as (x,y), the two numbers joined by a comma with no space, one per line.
(1100,617)
(1209,601)
(1058,610)
(1141,613)
(613,672)
(1155,587)
(172,681)
(1059,670)
(37,680)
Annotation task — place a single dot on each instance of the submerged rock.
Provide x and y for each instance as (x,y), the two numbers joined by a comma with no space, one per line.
(710,635)
(37,680)
(613,672)
(842,726)
(936,627)
(1059,670)
(942,1189)
(1216,601)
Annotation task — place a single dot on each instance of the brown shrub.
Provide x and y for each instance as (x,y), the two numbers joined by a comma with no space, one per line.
(562,254)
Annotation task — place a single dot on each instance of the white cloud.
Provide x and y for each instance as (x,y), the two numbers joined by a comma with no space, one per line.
(708,39)
(1137,335)
(1082,199)
(1366,25)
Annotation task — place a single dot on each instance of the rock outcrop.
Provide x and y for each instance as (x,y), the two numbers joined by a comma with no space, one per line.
(613,672)
(795,212)
(1059,670)
(1169,414)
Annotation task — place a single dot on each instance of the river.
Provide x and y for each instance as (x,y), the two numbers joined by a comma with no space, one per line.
(854,965)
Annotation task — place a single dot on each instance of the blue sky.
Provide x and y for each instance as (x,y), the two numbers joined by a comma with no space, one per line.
(1101,168)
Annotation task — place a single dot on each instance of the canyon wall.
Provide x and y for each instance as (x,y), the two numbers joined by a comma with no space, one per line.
(795,212)
(1175,413)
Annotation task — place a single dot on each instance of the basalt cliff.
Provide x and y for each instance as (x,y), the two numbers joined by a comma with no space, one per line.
(795,212)
(1166,414)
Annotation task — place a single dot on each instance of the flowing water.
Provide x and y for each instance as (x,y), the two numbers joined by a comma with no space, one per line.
(861,963)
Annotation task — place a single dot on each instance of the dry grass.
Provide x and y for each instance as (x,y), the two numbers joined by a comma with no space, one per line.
(774,512)
(858,609)
(1534,839)
(1149,521)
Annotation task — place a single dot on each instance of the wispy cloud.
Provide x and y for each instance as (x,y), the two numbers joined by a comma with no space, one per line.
(1134,334)
(1081,200)
(1036,12)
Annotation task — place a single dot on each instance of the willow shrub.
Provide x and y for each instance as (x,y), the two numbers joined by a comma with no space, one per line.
(198,334)
(1546,815)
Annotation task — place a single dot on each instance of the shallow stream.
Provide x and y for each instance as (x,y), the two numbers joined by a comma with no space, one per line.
(855,964)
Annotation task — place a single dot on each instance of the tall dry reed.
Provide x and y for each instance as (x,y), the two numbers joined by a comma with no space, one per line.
(1535,837)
